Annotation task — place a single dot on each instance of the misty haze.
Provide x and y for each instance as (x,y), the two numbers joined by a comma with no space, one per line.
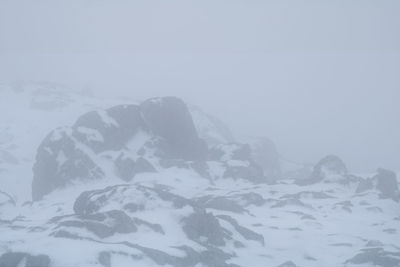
(199,133)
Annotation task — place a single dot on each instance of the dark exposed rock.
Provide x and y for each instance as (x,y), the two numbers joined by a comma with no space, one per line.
(104,259)
(127,168)
(376,257)
(311,194)
(210,128)
(238,162)
(59,161)
(364,185)
(250,198)
(252,173)
(243,231)
(220,203)
(93,201)
(387,184)
(102,224)
(266,156)
(374,243)
(14,259)
(203,225)
(385,181)
(288,264)
(211,257)
(330,165)
(290,202)
(345,205)
(170,119)
(155,227)
(115,126)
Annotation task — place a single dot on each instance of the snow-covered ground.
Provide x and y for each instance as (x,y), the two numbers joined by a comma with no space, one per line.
(176,215)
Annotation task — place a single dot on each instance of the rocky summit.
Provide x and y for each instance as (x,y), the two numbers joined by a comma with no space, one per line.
(159,183)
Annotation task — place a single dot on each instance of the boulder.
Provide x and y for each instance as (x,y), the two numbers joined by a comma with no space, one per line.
(204,227)
(329,169)
(386,184)
(266,155)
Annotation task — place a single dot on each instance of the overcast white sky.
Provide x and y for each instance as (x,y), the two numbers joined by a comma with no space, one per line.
(317,77)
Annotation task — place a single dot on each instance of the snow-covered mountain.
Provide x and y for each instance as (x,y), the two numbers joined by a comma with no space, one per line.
(156,183)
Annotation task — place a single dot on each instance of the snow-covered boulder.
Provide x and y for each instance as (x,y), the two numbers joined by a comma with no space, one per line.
(384,182)
(329,169)
(266,155)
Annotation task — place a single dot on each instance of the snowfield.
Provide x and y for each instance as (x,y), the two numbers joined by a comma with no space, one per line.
(169,186)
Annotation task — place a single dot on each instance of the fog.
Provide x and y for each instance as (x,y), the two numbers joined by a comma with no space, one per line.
(317,77)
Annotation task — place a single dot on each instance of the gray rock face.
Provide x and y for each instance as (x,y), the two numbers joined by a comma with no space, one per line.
(210,128)
(59,160)
(243,231)
(20,259)
(386,183)
(364,185)
(266,156)
(238,162)
(376,257)
(203,227)
(329,166)
(127,168)
(288,264)
(113,127)
(170,119)
(103,224)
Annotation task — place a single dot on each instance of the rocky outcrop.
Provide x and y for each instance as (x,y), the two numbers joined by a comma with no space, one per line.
(102,225)
(203,227)
(329,169)
(266,155)
(238,162)
(161,127)
(170,119)
(375,257)
(385,182)
(60,160)
(211,129)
